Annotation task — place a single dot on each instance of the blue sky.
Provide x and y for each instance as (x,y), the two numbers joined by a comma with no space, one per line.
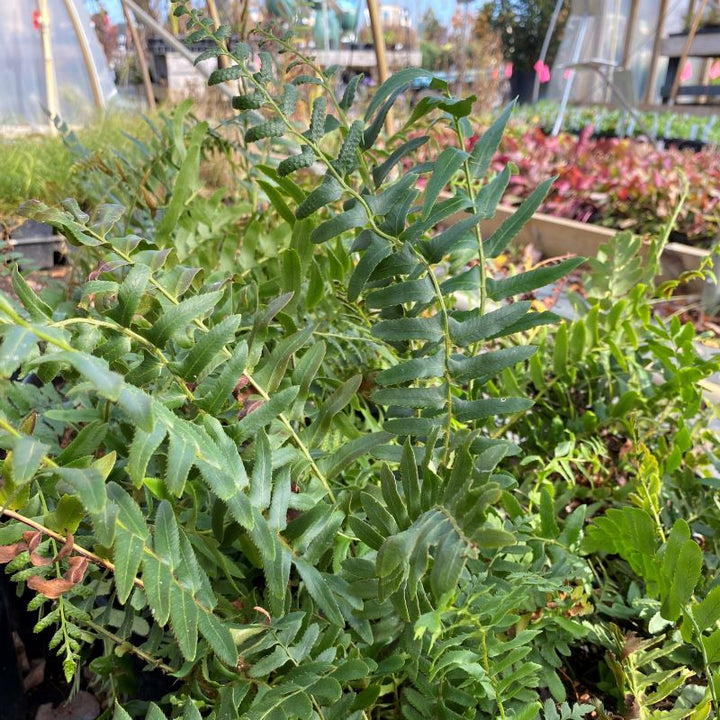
(443,8)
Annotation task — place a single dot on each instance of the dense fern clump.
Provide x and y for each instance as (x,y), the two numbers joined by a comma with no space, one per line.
(281,475)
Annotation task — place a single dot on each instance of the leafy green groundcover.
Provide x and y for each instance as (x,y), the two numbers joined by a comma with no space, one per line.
(296,477)
(46,166)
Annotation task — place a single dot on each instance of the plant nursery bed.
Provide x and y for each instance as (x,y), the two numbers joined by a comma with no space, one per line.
(555,237)
(674,128)
(611,183)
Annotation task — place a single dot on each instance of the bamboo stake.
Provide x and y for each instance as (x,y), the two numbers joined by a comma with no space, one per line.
(705,78)
(51,89)
(215,17)
(379,42)
(686,51)
(630,32)
(657,44)
(87,55)
(242,20)
(149,94)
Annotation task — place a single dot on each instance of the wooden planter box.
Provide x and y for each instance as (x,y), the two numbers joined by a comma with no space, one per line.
(557,236)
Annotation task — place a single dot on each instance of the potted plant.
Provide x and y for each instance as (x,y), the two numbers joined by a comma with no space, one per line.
(522,25)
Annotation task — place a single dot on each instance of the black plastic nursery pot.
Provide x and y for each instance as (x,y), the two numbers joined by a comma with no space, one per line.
(32,681)
(679,143)
(12,695)
(522,83)
(37,244)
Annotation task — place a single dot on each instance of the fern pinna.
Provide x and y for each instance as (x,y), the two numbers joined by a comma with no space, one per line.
(188,437)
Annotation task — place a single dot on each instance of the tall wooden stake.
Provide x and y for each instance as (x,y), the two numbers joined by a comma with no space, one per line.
(242,21)
(215,17)
(705,77)
(686,51)
(51,90)
(149,94)
(379,42)
(630,32)
(83,42)
(657,44)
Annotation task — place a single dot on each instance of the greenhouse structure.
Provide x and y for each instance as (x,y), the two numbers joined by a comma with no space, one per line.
(50,62)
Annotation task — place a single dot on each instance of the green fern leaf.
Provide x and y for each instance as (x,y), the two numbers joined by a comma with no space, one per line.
(176,319)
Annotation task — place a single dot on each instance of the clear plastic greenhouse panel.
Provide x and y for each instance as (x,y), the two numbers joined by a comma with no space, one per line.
(81,86)
(604,40)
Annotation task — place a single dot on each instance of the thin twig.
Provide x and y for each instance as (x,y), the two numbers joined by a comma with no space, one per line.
(149,659)
(77,549)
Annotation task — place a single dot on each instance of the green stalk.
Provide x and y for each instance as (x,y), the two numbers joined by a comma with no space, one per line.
(478,233)
(706,665)
(447,345)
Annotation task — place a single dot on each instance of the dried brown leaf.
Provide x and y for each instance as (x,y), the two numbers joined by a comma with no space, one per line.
(76,570)
(267,617)
(33,540)
(66,549)
(52,589)
(8,552)
(633,643)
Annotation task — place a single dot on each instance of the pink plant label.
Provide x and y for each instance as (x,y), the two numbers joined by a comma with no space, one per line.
(543,71)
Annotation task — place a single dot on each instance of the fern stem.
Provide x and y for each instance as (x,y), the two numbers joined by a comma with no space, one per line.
(156,351)
(447,347)
(478,233)
(365,170)
(62,618)
(632,680)
(96,559)
(706,665)
(376,229)
(493,680)
(130,647)
(19,320)
(296,439)
(77,549)
(63,628)
(261,391)
(315,147)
